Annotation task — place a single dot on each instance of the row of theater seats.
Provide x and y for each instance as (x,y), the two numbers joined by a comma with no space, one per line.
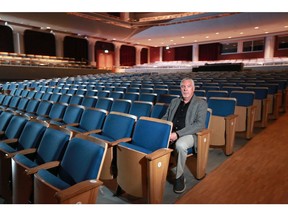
(70,107)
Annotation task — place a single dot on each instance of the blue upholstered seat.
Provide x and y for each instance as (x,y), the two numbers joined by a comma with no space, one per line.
(143,158)
(43,109)
(72,114)
(56,112)
(91,119)
(166,98)
(133,96)
(150,97)
(89,101)
(79,169)
(141,108)
(51,148)
(5,118)
(30,138)
(121,105)
(14,128)
(104,103)
(222,106)
(159,110)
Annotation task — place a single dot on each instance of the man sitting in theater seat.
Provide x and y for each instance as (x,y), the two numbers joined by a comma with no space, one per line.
(188,114)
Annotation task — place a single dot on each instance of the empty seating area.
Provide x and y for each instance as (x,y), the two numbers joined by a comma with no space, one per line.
(188,65)
(116,115)
(7,58)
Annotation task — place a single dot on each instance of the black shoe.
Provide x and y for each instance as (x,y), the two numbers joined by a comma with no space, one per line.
(179,185)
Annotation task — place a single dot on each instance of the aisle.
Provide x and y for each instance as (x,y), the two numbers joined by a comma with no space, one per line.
(255,174)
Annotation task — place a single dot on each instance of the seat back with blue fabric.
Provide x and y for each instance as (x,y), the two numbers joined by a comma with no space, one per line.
(31,134)
(15,127)
(43,108)
(55,97)
(116,126)
(6,101)
(13,102)
(76,99)
(166,98)
(72,114)
(31,107)
(82,161)
(56,112)
(244,98)
(150,97)
(91,119)
(133,96)
(222,106)
(141,108)
(104,103)
(103,93)
(5,118)
(216,93)
(121,105)
(65,98)
(116,94)
(89,101)
(46,96)
(23,102)
(159,110)
(92,92)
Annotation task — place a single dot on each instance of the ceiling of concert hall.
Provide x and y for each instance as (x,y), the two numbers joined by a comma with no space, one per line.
(156,29)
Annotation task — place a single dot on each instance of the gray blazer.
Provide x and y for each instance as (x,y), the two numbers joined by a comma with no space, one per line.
(195,117)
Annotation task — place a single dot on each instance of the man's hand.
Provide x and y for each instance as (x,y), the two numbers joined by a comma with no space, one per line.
(173,137)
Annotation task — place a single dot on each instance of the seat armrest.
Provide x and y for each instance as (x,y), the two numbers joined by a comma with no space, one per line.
(158,153)
(28,151)
(57,119)
(77,189)
(24,151)
(93,131)
(48,165)
(71,124)
(203,132)
(10,141)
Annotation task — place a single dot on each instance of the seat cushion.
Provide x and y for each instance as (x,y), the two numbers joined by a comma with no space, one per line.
(135,147)
(52,179)
(25,161)
(6,147)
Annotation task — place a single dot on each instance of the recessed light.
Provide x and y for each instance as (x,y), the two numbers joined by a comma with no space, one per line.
(285,26)
(195,40)
(149,39)
(266,32)
(241,33)
(207,37)
(171,40)
(229,37)
(217,33)
(256,27)
(182,37)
